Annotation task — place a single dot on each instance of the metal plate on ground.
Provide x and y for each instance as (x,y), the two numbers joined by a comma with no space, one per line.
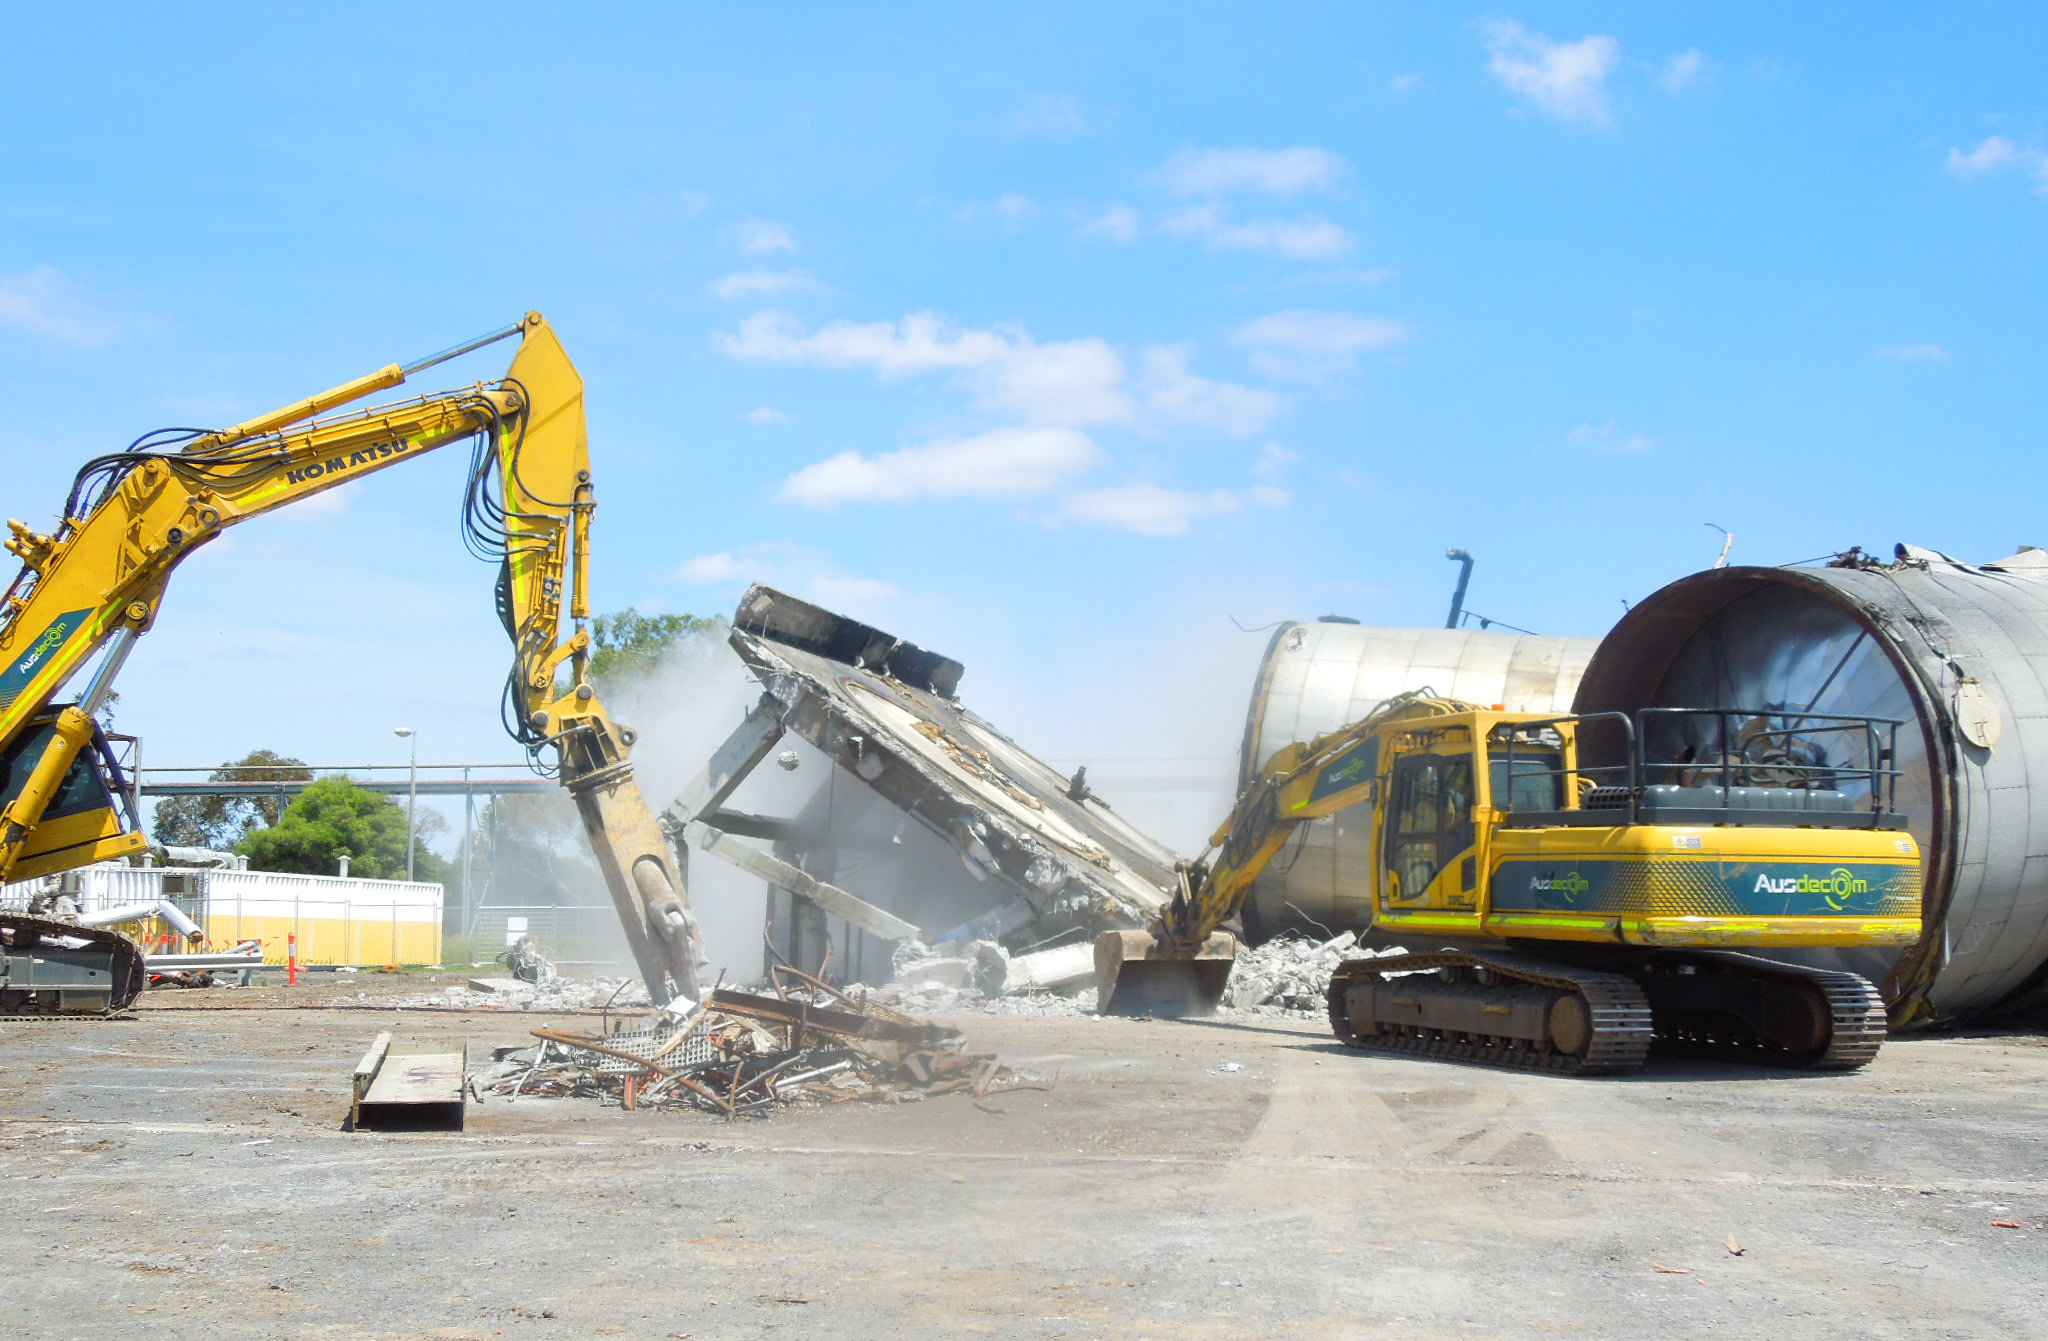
(410,1086)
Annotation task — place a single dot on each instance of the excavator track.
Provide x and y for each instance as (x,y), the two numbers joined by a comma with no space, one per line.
(1777,1014)
(1497,1010)
(50,969)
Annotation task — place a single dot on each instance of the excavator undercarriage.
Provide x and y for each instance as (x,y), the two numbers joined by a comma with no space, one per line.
(51,968)
(1514,1011)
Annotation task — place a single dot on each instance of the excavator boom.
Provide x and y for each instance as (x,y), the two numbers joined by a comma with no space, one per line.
(97,582)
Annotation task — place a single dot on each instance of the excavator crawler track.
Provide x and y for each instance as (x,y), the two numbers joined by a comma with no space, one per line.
(50,970)
(1497,1010)
(1824,1020)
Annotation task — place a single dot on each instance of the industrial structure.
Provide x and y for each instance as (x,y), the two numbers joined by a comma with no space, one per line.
(1955,650)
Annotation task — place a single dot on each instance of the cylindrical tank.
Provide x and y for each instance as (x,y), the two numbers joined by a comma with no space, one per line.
(1320,676)
(1960,653)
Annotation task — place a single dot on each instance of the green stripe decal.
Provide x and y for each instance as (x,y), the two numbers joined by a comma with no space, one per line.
(1708,888)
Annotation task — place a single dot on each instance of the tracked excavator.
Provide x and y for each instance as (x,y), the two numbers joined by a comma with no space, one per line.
(96,583)
(1595,883)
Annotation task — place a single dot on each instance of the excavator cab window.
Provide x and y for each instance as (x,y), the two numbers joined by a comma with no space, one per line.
(84,789)
(1536,782)
(1430,821)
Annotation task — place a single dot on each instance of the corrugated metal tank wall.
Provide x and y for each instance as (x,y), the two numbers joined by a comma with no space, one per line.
(1319,676)
(1960,652)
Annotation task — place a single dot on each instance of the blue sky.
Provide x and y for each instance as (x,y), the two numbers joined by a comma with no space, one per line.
(1050,338)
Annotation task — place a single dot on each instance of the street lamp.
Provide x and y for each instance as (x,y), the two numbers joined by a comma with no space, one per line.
(412,802)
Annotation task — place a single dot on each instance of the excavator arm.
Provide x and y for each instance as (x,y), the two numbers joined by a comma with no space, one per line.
(97,582)
(1182,963)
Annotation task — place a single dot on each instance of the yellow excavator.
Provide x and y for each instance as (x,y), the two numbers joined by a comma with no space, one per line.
(96,583)
(1597,882)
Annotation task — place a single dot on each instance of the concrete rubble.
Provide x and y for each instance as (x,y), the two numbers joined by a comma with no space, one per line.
(748,1055)
(1288,976)
(501,993)
(1292,973)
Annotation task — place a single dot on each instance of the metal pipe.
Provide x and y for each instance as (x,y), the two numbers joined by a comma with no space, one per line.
(457,351)
(1464,561)
(135,912)
(102,682)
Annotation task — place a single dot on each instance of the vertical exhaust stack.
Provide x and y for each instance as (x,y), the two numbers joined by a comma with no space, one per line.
(1957,651)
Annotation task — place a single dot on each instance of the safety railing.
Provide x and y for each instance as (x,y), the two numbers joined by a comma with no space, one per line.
(1740,766)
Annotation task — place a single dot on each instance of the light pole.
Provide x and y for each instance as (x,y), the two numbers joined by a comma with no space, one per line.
(412,800)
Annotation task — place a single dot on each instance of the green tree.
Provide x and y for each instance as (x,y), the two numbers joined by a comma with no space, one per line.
(630,643)
(333,816)
(220,822)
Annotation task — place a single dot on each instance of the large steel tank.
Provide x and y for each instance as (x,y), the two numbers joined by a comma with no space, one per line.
(1319,676)
(1960,653)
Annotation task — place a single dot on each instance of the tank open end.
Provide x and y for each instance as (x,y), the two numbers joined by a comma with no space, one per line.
(1136,975)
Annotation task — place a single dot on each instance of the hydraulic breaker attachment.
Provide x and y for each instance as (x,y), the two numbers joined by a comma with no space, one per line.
(1137,975)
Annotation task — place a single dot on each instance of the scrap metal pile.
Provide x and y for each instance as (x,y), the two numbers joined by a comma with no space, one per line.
(746,1055)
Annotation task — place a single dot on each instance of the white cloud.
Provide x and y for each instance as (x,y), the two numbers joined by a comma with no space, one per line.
(1682,71)
(1566,80)
(1118,223)
(1003,462)
(748,283)
(763,415)
(1051,116)
(1307,237)
(1913,353)
(760,237)
(1172,392)
(1308,345)
(1071,382)
(1608,437)
(1147,508)
(1997,153)
(1401,83)
(925,342)
(1007,211)
(793,568)
(1220,172)
(45,302)
(1272,462)
(692,203)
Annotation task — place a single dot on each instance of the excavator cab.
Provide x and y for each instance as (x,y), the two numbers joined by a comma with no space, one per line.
(91,815)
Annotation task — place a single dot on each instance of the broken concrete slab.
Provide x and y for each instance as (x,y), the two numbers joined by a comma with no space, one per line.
(1058,969)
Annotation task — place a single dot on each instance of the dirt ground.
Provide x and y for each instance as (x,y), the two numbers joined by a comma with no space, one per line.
(185,1174)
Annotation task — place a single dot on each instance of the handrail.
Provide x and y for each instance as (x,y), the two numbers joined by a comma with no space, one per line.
(1880,742)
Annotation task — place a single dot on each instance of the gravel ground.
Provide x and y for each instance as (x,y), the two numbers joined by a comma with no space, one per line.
(184,1174)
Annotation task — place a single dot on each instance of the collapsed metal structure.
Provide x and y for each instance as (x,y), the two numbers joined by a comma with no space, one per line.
(1044,858)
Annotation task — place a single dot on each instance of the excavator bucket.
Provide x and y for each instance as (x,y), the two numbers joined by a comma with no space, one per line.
(1134,976)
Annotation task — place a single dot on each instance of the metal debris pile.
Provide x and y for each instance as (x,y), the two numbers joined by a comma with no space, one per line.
(746,1055)
(1292,973)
